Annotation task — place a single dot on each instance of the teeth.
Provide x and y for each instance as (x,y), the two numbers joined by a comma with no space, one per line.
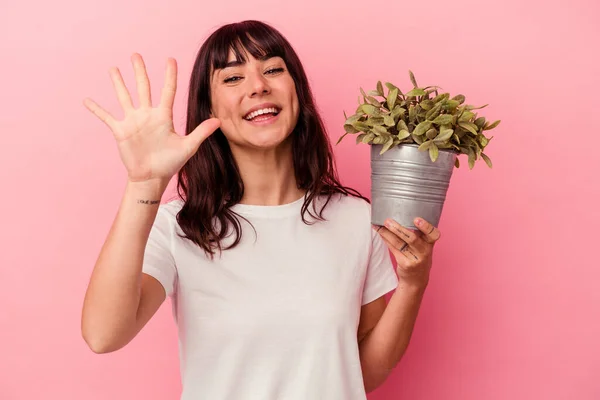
(256,113)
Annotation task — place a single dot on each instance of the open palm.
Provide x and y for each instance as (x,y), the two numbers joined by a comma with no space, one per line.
(148,144)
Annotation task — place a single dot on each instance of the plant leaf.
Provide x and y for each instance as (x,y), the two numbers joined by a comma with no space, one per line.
(412,113)
(460,98)
(443,119)
(397,111)
(492,126)
(380,130)
(431,133)
(380,88)
(416,92)
(373,101)
(369,109)
(480,122)
(387,145)
(450,105)
(372,121)
(434,112)
(361,126)
(469,127)
(433,152)
(412,79)
(466,116)
(390,86)
(425,145)
(391,99)
(445,135)
(352,119)
(487,160)
(350,129)
(472,158)
(468,107)
(417,139)
(360,137)
(368,137)
(403,134)
(402,126)
(340,139)
(388,120)
(422,128)
(427,105)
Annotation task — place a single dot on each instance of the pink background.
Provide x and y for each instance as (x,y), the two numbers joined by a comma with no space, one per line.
(512,310)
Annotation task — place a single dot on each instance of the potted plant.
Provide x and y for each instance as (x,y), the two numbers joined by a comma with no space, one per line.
(415,139)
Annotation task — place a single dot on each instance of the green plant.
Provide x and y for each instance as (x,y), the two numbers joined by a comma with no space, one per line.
(434,123)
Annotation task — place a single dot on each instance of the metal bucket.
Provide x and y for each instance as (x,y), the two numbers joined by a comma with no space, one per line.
(406,184)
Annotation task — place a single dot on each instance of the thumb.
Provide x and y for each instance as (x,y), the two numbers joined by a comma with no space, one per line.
(203,131)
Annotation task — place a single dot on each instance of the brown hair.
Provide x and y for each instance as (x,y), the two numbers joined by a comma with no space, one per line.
(210,183)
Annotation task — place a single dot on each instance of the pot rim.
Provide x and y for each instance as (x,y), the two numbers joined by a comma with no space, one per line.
(417,145)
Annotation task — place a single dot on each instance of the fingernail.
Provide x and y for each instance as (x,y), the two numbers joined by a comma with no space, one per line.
(419,221)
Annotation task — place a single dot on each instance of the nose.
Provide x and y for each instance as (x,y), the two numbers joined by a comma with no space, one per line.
(258,84)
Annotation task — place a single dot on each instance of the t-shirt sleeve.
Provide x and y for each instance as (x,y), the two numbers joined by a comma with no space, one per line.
(158,257)
(381,277)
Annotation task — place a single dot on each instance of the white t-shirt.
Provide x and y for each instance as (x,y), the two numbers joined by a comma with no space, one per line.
(276,317)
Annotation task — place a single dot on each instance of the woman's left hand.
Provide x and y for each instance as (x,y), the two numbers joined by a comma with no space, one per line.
(412,250)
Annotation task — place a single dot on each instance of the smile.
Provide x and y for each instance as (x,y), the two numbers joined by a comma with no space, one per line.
(263,116)
(266,119)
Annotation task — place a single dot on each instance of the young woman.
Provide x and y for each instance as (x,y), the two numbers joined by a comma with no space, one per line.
(275,275)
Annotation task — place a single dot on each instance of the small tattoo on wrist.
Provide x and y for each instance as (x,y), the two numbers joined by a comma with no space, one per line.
(148,201)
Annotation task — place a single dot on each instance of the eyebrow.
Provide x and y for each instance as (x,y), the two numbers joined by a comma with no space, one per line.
(236,63)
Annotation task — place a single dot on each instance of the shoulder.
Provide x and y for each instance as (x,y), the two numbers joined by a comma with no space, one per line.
(349,208)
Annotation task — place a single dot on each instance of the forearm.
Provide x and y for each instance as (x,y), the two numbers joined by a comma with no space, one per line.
(113,294)
(383,347)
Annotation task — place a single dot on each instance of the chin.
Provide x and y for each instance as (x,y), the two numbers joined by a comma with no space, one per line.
(266,139)
(266,142)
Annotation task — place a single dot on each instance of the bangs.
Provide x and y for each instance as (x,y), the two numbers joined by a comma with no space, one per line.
(244,38)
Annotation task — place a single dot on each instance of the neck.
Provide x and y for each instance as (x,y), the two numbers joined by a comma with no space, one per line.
(268,175)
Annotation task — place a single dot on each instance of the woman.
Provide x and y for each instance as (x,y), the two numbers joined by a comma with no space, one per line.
(276,279)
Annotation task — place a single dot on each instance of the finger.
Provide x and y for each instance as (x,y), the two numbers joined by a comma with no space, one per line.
(142,81)
(121,90)
(412,238)
(202,131)
(394,243)
(431,234)
(100,113)
(392,239)
(167,97)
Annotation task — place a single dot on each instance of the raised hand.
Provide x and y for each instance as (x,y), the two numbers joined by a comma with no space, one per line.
(148,144)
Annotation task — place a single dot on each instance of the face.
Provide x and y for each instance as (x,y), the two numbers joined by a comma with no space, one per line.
(256,102)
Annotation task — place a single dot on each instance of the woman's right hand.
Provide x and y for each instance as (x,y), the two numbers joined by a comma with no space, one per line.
(148,144)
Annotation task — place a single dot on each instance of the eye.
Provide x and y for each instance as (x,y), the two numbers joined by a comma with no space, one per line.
(272,71)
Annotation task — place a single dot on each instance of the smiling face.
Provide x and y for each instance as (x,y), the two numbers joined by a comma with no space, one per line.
(256,101)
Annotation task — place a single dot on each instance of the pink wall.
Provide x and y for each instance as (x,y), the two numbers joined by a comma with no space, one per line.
(512,310)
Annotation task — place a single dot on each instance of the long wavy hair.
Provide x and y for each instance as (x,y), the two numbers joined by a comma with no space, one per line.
(210,182)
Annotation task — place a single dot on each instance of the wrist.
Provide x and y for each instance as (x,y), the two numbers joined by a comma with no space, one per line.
(414,287)
(150,190)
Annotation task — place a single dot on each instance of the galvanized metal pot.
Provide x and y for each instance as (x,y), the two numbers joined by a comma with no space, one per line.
(406,184)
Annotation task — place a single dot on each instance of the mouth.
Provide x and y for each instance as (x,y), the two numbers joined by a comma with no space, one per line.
(263,116)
